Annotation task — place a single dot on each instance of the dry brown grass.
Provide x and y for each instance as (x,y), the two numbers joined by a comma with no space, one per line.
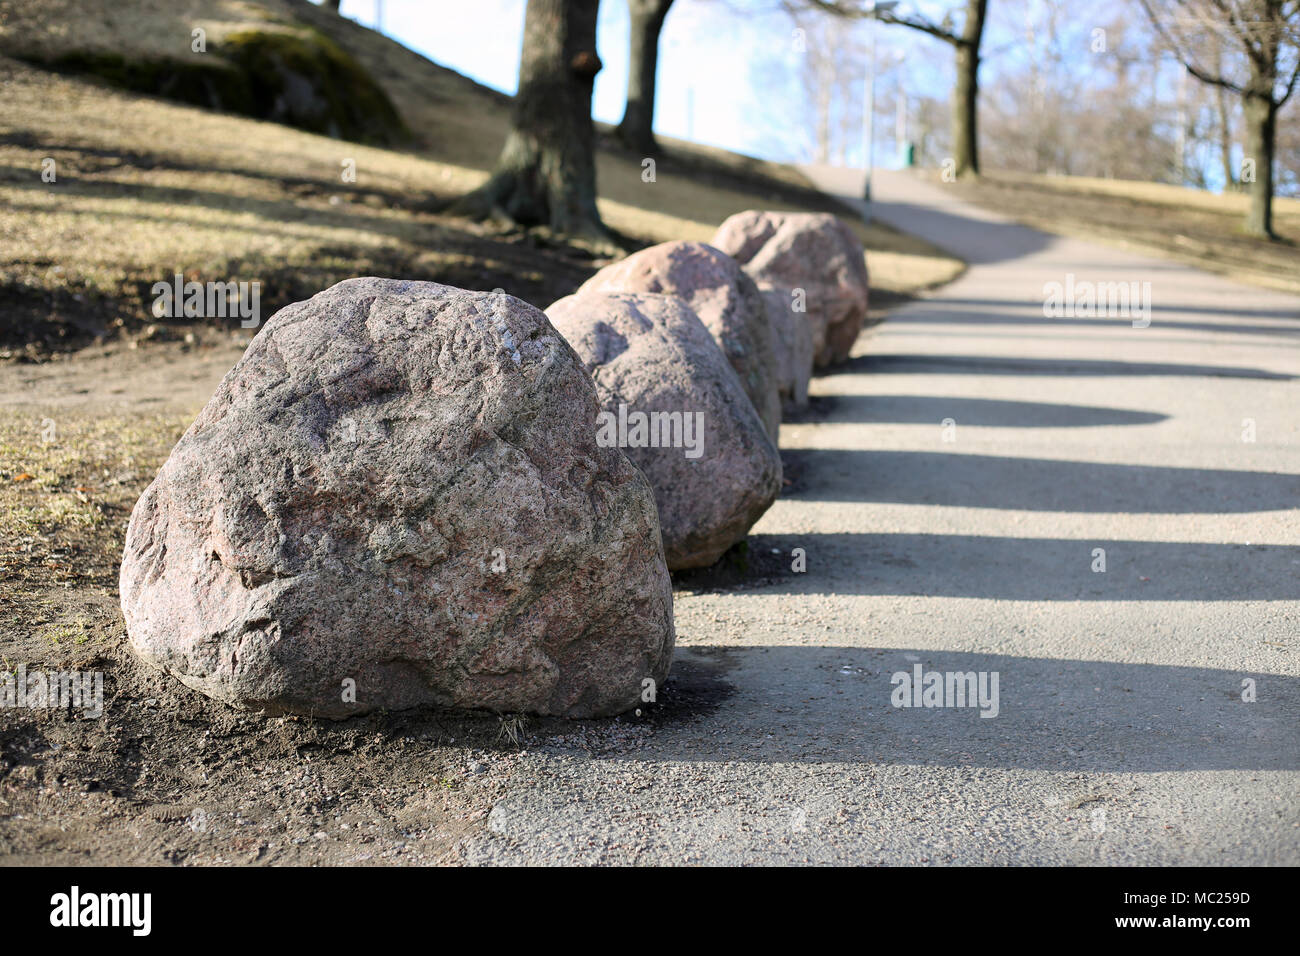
(1189,225)
(67,486)
(1285,209)
(148,187)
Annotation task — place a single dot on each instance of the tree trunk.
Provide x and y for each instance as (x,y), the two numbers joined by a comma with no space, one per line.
(1261,135)
(637,128)
(965,98)
(546,174)
(965,94)
(1260,111)
(334,4)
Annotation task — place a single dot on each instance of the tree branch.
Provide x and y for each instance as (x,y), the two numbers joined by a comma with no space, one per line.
(839,8)
(1290,86)
(1177,49)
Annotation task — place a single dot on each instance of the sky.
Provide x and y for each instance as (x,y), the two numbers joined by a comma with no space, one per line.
(710,55)
(730,71)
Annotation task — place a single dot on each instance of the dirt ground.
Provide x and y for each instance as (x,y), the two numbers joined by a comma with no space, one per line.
(166,776)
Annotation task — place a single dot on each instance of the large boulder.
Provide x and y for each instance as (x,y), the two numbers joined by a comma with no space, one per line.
(676,408)
(394,499)
(815,252)
(725,299)
(793,339)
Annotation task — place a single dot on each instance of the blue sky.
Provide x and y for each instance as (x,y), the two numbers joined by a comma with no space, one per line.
(729,73)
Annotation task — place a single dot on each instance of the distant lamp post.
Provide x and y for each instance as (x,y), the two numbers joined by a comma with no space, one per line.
(872,9)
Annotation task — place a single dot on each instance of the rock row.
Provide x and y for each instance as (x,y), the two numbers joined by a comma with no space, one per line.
(408,494)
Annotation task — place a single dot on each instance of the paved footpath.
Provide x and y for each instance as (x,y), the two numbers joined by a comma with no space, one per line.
(1121,733)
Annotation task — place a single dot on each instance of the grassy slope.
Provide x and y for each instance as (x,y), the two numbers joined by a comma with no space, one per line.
(146,187)
(1192,226)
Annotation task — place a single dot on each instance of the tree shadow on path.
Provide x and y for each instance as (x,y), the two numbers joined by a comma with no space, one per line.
(916,364)
(825,705)
(962,480)
(984,412)
(1007,568)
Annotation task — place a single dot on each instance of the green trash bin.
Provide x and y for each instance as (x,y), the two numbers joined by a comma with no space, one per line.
(908,157)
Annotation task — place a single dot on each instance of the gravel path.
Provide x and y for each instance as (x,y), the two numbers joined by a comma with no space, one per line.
(1121,733)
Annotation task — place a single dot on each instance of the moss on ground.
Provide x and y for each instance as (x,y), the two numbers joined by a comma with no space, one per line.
(300,78)
(205,82)
(343,102)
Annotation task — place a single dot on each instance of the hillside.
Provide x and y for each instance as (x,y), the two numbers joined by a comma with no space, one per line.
(1186,225)
(148,186)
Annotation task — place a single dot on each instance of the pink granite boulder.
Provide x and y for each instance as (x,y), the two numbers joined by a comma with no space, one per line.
(793,338)
(676,408)
(725,299)
(815,252)
(395,499)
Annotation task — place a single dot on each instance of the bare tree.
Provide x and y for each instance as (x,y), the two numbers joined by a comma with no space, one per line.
(1265,36)
(964,37)
(930,130)
(647,20)
(1224,120)
(1082,95)
(1288,156)
(546,174)
(831,62)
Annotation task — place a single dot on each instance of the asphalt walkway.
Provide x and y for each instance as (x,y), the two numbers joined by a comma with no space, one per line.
(972,469)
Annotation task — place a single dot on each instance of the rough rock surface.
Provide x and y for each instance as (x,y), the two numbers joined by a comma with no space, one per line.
(811,251)
(725,299)
(793,340)
(651,354)
(399,485)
